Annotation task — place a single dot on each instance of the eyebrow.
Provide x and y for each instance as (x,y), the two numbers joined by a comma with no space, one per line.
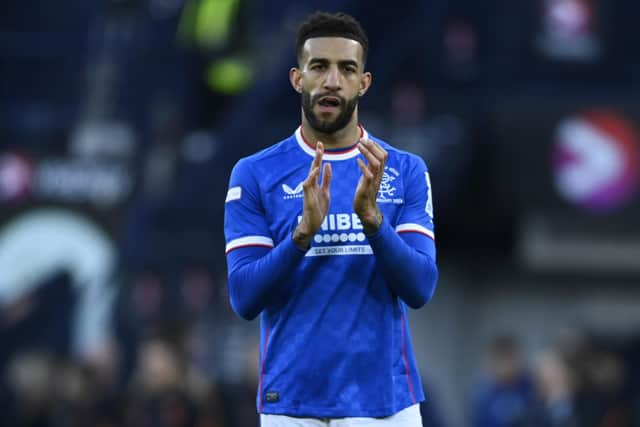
(325,61)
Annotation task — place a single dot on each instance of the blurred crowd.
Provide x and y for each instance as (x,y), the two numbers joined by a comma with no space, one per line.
(179,357)
(170,362)
(578,381)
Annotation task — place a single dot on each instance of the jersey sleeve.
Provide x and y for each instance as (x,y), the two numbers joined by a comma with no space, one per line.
(244,216)
(256,270)
(415,222)
(405,252)
(417,213)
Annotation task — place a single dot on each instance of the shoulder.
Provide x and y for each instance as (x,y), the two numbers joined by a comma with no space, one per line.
(406,160)
(266,157)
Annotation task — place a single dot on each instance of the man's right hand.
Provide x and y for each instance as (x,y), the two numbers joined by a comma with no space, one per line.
(316,200)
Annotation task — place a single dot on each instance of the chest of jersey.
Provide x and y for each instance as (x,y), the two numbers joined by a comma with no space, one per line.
(283,202)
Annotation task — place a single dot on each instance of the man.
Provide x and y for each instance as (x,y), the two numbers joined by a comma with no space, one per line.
(332,264)
(506,395)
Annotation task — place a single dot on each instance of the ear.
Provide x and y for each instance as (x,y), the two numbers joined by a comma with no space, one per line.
(365,82)
(294,77)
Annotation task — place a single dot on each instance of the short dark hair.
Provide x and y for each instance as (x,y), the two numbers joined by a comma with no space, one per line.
(324,24)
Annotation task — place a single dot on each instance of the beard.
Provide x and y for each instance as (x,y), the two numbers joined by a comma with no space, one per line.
(347,108)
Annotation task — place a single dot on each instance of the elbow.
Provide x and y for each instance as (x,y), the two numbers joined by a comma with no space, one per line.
(240,304)
(425,292)
(243,310)
(419,301)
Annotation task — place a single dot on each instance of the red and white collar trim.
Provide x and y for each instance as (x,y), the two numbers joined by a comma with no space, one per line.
(347,153)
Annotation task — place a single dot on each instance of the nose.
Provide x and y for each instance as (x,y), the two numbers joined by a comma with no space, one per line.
(332,79)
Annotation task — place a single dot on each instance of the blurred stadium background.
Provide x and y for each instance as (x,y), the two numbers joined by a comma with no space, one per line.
(120,121)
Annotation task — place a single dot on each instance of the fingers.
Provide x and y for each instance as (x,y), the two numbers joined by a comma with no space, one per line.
(376,149)
(366,173)
(376,156)
(317,160)
(326,177)
(312,178)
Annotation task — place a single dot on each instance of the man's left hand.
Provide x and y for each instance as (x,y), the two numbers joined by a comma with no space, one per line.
(364,201)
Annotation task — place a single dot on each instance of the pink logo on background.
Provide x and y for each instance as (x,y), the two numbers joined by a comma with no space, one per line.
(596,160)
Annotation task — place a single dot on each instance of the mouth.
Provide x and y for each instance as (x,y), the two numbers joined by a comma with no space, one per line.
(329,103)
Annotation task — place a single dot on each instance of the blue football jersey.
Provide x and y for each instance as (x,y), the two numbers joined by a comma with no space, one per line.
(335,341)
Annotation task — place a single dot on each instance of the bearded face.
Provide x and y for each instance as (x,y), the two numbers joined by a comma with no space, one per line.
(328,113)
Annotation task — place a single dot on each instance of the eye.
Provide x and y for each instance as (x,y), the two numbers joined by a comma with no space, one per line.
(317,67)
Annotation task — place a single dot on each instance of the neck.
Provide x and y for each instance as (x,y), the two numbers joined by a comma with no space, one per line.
(342,138)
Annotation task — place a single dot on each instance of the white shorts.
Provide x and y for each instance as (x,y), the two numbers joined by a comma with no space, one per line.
(408,417)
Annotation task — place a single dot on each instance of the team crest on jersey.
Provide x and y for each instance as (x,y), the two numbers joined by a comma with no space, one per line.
(292,193)
(387,191)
